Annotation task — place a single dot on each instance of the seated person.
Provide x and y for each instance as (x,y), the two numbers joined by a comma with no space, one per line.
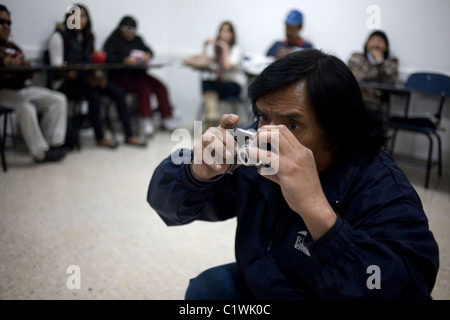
(123,45)
(224,56)
(329,215)
(374,65)
(75,46)
(44,139)
(293,42)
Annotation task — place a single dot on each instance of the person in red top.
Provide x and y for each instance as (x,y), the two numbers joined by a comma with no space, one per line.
(43,138)
(293,42)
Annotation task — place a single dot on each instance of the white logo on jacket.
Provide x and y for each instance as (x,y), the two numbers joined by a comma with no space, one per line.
(299,242)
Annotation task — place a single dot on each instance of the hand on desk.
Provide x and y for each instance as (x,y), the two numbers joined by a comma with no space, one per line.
(15,59)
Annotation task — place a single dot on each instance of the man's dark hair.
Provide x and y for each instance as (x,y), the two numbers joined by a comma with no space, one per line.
(3,9)
(334,95)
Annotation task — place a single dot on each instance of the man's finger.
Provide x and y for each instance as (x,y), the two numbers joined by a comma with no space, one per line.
(228,120)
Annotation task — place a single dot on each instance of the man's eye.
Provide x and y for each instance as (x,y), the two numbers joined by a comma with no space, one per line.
(294,126)
(262,118)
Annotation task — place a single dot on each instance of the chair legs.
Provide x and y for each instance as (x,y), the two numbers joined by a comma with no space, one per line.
(430,154)
(5,112)
(394,136)
(439,154)
(2,142)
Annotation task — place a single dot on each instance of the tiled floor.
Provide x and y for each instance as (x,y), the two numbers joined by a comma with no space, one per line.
(90,211)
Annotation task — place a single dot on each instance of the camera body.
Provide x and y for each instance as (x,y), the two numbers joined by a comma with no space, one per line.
(244,139)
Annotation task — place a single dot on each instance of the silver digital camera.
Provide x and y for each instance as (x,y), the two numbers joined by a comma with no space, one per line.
(244,139)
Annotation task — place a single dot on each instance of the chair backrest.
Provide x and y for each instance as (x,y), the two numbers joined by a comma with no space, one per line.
(431,83)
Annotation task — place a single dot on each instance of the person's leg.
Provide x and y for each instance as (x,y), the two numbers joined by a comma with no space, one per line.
(52,105)
(117,94)
(211,102)
(94,99)
(225,282)
(28,120)
(162,96)
(143,92)
(229,88)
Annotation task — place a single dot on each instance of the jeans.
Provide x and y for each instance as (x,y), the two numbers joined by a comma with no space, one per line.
(226,282)
(223,89)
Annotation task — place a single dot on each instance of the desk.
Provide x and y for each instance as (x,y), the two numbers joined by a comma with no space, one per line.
(51,70)
(399,89)
(77,67)
(388,90)
(254,65)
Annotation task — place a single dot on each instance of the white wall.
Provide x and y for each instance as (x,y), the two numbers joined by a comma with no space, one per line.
(180,26)
(417,31)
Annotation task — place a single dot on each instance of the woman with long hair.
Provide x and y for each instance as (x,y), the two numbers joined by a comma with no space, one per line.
(75,46)
(224,56)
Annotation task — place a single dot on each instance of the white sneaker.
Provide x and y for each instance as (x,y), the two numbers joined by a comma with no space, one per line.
(147,126)
(170,124)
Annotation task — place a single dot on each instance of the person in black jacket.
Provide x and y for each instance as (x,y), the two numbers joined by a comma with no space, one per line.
(75,46)
(123,45)
(335,219)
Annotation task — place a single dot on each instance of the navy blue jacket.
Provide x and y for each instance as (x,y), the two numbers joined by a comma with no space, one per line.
(381,230)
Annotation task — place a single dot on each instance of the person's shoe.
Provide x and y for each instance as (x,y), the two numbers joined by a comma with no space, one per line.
(63,149)
(135,141)
(147,126)
(108,143)
(51,155)
(170,124)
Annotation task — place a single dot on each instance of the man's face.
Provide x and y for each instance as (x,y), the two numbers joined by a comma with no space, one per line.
(290,106)
(292,34)
(5,29)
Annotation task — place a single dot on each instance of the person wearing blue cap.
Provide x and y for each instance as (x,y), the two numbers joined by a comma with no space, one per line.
(293,42)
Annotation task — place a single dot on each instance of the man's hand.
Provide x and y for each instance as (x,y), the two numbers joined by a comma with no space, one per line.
(215,152)
(298,178)
(377,54)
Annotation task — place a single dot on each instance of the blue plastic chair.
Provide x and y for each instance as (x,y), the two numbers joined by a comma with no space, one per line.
(435,85)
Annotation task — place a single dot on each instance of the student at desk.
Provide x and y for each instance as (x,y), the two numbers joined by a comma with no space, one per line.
(294,42)
(75,46)
(374,65)
(43,138)
(123,45)
(224,56)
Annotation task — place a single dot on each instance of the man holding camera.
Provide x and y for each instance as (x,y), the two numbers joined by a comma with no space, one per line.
(336,208)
